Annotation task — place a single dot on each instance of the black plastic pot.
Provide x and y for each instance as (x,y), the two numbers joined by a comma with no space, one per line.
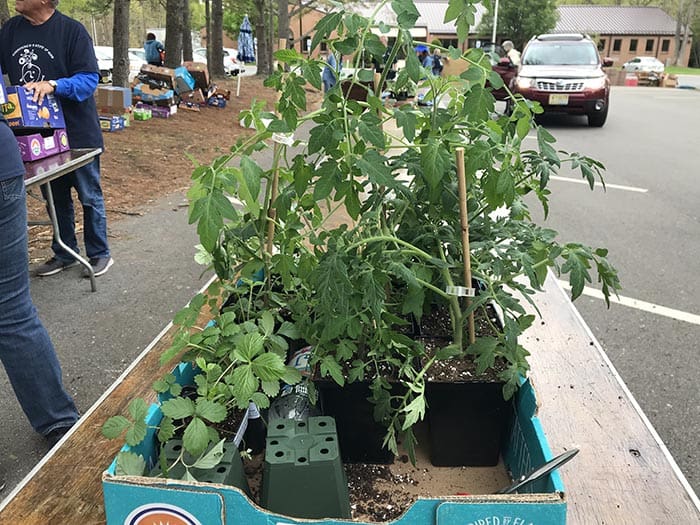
(467,423)
(360,437)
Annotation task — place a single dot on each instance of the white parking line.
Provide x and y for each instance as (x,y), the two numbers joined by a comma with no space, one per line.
(641,305)
(599,185)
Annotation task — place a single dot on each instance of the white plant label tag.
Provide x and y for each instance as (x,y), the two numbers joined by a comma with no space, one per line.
(460,291)
(284,138)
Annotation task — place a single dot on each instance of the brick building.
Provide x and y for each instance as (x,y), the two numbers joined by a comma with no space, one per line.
(624,32)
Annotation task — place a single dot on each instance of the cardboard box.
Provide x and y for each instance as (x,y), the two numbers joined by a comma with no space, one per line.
(199,71)
(194,97)
(128,498)
(22,112)
(145,93)
(142,113)
(669,81)
(111,122)
(215,91)
(164,74)
(188,106)
(184,81)
(158,111)
(35,146)
(112,99)
(616,76)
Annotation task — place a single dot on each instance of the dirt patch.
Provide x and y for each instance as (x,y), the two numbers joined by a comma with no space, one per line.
(151,158)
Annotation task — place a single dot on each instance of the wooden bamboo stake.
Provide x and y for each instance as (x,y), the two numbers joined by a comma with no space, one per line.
(464,220)
(271,212)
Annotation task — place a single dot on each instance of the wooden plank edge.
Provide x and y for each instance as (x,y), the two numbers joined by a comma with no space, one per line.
(93,408)
(630,397)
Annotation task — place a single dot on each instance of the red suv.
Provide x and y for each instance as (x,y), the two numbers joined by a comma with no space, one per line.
(564,73)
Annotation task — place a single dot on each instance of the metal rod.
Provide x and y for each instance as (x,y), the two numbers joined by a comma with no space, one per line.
(57,236)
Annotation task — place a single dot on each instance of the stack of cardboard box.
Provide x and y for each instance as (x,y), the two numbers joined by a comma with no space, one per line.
(39,128)
(114,106)
(195,97)
(669,80)
(156,87)
(187,87)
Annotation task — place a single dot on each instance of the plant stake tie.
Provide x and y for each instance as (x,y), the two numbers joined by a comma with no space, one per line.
(464,220)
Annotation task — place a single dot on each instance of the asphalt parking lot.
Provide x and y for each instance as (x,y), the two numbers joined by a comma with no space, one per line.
(649,219)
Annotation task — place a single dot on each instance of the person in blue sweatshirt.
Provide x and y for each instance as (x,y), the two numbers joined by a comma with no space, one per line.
(154,50)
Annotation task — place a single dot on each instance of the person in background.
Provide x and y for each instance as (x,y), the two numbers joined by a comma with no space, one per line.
(424,56)
(381,64)
(26,351)
(437,62)
(512,53)
(47,52)
(331,72)
(154,50)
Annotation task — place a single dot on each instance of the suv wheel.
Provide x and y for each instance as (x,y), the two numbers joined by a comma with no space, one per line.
(597,119)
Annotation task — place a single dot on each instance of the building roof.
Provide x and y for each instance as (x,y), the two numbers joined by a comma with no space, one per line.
(432,16)
(590,19)
(614,20)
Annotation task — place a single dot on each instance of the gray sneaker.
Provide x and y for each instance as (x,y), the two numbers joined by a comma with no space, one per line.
(100,265)
(53,266)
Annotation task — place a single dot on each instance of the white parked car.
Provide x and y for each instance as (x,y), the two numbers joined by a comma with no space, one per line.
(104,62)
(648,64)
(139,52)
(231,65)
(135,63)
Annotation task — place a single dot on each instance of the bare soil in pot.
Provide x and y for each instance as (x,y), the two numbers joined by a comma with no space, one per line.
(436,332)
(380,493)
(467,414)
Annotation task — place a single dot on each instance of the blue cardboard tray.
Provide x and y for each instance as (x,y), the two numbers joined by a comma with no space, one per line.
(137,500)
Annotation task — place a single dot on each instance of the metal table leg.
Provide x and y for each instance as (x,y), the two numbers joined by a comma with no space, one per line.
(57,236)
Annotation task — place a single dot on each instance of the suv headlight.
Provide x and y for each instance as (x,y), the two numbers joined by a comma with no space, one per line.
(525,82)
(594,83)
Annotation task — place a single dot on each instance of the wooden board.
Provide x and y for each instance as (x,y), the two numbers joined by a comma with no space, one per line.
(621,475)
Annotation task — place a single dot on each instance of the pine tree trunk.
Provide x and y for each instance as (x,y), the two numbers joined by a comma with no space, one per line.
(173,33)
(186,32)
(4,13)
(264,34)
(283,31)
(120,43)
(215,40)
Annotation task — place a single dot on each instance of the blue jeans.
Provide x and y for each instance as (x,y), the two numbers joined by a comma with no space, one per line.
(25,348)
(86,181)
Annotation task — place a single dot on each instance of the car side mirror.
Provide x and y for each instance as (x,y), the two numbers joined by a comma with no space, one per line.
(608,62)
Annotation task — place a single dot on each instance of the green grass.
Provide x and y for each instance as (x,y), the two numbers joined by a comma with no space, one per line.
(677,70)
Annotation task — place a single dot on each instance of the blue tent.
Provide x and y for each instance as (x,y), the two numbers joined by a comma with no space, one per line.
(246,53)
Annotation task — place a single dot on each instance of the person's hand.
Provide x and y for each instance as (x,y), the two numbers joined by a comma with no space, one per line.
(40,90)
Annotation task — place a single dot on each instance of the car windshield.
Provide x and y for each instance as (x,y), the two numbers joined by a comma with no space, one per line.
(560,54)
(102,54)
